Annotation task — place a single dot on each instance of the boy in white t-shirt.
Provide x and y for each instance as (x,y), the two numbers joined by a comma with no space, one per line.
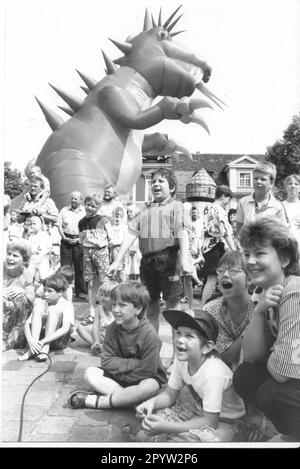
(212,417)
(51,321)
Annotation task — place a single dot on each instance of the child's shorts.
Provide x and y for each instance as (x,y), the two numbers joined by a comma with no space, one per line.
(227,430)
(95,262)
(160,272)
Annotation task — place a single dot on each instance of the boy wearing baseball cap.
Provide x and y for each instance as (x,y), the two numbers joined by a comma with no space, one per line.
(213,414)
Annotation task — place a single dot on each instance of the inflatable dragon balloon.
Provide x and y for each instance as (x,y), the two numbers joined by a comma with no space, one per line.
(103,140)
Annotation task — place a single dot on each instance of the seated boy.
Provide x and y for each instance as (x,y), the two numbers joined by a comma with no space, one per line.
(212,415)
(131,369)
(51,321)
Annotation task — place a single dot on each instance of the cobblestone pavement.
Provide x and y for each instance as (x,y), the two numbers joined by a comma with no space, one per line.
(46,415)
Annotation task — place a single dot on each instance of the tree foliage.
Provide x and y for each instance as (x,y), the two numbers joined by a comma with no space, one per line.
(12,181)
(285,153)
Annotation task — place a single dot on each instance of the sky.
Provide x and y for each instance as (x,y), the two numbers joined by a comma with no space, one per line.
(252,45)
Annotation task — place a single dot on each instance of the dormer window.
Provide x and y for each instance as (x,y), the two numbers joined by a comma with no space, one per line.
(245,179)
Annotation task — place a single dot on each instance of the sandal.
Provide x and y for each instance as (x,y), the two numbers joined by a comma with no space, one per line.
(88,321)
(77,399)
(41,357)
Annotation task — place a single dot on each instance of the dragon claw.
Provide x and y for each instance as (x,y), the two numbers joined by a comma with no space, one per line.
(193,117)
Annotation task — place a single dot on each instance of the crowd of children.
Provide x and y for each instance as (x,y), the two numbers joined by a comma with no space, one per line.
(239,355)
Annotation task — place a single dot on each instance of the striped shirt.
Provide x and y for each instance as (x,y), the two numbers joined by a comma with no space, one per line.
(284,322)
(159,225)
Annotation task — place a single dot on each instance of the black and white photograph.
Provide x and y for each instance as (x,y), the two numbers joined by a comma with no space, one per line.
(151,227)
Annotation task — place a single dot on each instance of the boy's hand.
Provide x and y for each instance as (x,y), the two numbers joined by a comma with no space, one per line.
(271,298)
(96,347)
(145,409)
(112,269)
(155,424)
(34,347)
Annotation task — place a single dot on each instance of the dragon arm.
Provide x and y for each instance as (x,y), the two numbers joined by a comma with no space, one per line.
(121,106)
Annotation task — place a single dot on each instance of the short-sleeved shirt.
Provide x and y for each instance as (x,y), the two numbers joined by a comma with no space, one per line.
(229,332)
(93,232)
(45,204)
(68,219)
(249,210)
(216,225)
(211,387)
(158,226)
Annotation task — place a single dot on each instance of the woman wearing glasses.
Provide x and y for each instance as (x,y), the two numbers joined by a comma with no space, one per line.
(233,309)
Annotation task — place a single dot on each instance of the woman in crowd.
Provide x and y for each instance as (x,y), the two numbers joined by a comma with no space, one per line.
(18,293)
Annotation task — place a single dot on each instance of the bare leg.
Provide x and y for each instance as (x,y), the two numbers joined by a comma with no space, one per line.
(85,333)
(51,326)
(36,325)
(153,313)
(90,298)
(208,288)
(114,394)
(172,303)
(188,289)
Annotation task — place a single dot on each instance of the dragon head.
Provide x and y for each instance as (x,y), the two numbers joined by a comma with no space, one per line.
(170,68)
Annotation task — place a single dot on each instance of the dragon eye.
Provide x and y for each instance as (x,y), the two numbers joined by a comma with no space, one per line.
(163,34)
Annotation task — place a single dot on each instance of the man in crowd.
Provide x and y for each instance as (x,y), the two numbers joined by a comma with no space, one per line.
(70,249)
(37,202)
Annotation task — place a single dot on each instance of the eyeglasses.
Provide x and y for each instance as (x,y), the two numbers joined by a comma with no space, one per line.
(231,270)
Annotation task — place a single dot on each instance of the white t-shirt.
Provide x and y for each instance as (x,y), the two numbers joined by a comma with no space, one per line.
(293,213)
(211,387)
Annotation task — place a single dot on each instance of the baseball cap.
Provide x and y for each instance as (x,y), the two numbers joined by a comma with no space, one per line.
(202,322)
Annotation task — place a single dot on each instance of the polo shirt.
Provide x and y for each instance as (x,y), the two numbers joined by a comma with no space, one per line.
(249,210)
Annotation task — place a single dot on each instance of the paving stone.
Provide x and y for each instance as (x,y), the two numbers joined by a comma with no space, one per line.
(13,365)
(93,418)
(8,375)
(55,425)
(10,431)
(90,434)
(49,437)
(66,366)
(43,393)
(11,390)
(31,413)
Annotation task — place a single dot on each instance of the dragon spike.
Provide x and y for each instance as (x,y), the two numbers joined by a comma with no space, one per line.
(169,28)
(178,32)
(67,110)
(171,17)
(52,118)
(89,81)
(72,101)
(209,94)
(120,60)
(153,21)
(147,21)
(110,66)
(124,47)
(159,17)
(85,89)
